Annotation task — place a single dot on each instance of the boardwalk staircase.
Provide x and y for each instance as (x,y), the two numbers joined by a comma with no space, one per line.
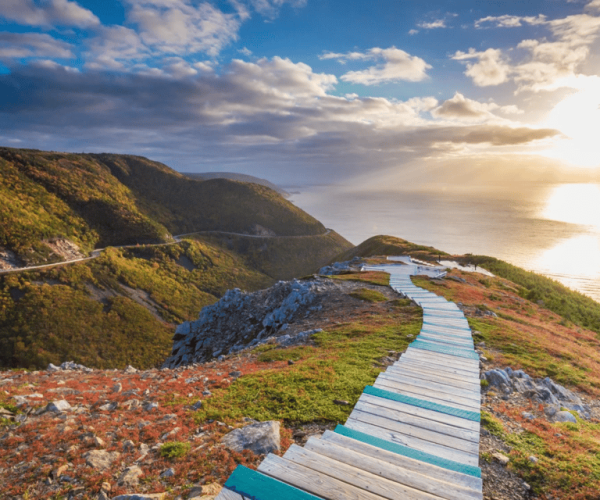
(414,434)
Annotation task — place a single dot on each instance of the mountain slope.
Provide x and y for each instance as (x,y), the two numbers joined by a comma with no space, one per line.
(96,200)
(233,176)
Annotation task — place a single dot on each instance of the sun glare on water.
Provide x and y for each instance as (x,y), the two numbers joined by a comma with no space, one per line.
(576,258)
(575,204)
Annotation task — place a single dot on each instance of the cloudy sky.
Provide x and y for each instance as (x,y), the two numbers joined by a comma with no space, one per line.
(307,91)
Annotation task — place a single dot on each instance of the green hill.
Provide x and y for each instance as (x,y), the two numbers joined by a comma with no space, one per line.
(105,199)
(122,307)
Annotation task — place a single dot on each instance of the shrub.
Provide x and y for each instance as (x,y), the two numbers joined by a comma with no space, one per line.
(175,449)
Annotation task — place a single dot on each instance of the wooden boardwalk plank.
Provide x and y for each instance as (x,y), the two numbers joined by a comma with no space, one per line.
(413,442)
(408,416)
(445,340)
(442,370)
(253,484)
(434,376)
(445,359)
(358,477)
(317,483)
(414,464)
(417,480)
(458,393)
(427,395)
(227,494)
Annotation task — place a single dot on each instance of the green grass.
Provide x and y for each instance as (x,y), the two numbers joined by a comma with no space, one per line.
(339,367)
(572,306)
(174,449)
(368,295)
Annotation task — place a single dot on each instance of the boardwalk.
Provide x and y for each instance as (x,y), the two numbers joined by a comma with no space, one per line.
(414,434)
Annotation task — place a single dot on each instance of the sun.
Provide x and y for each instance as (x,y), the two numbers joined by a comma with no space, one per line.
(578,118)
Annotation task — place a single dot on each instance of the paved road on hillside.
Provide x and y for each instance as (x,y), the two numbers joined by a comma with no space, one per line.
(177,239)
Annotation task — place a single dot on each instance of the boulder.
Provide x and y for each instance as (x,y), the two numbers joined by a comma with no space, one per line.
(58,406)
(101,459)
(131,476)
(565,416)
(260,438)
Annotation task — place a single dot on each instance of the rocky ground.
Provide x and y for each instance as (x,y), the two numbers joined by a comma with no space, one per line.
(72,432)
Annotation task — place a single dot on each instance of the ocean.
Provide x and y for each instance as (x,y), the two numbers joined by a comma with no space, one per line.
(551,229)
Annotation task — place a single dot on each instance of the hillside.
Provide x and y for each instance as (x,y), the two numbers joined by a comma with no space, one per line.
(236,177)
(310,387)
(122,307)
(97,200)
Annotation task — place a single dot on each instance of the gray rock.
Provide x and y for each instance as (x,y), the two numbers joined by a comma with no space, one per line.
(261,438)
(168,473)
(117,388)
(196,406)
(150,406)
(141,496)
(527,415)
(533,460)
(58,406)
(551,410)
(242,320)
(131,476)
(101,459)
(130,369)
(565,416)
(503,459)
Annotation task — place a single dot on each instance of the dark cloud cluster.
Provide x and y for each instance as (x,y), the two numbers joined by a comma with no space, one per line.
(267,115)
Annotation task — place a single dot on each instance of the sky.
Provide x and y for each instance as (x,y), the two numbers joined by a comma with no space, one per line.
(376,94)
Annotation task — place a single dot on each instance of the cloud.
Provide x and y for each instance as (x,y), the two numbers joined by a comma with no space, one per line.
(25,45)
(245,51)
(438,23)
(464,109)
(490,68)
(508,21)
(47,13)
(548,63)
(182,26)
(268,112)
(270,8)
(396,65)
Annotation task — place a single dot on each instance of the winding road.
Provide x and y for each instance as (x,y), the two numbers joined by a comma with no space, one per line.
(94,254)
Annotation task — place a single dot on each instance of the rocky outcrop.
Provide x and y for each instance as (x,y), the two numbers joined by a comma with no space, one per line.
(340,267)
(545,391)
(68,366)
(241,320)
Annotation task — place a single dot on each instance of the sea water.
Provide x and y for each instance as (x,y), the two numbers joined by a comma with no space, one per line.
(551,229)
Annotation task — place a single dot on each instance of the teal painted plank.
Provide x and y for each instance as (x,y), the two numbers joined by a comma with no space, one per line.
(257,486)
(452,351)
(431,331)
(427,405)
(405,451)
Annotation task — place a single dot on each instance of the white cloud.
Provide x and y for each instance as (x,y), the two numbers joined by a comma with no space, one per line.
(438,23)
(47,13)
(549,61)
(182,26)
(246,51)
(490,68)
(25,45)
(413,32)
(270,8)
(508,21)
(464,109)
(396,65)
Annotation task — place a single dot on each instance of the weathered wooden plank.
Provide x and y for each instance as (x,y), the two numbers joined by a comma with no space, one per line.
(436,377)
(433,363)
(439,339)
(445,359)
(443,322)
(414,442)
(409,416)
(444,371)
(227,494)
(435,330)
(358,477)
(315,482)
(422,466)
(459,393)
(431,435)
(427,395)
(423,479)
